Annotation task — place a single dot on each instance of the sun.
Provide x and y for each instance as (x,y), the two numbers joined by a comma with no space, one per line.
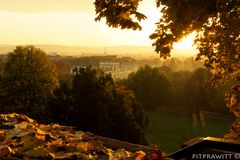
(185,47)
(186,43)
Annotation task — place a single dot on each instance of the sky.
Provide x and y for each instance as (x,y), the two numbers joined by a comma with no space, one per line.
(70,23)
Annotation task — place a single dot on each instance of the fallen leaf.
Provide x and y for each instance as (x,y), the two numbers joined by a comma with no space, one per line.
(5,151)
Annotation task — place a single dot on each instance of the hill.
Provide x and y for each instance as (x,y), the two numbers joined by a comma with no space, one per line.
(78,50)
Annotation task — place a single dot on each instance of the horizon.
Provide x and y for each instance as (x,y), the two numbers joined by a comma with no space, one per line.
(66,50)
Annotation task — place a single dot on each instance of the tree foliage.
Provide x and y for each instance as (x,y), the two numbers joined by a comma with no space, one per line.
(1,66)
(94,103)
(217,23)
(59,104)
(198,90)
(181,91)
(119,13)
(29,78)
(150,87)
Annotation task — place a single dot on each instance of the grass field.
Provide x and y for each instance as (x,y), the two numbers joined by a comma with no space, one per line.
(170,130)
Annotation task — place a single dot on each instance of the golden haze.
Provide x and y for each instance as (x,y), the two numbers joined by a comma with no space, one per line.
(71,23)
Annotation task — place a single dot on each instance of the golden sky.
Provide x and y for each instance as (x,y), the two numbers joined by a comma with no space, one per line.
(67,22)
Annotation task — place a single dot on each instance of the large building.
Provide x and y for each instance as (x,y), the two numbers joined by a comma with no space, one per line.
(109,66)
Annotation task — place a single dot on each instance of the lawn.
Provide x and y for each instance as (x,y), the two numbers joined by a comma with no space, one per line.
(170,130)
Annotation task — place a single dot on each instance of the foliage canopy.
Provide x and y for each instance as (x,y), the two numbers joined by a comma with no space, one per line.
(119,13)
(150,87)
(94,103)
(29,78)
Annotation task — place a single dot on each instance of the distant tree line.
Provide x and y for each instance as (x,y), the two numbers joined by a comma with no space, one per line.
(161,88)
(31,84)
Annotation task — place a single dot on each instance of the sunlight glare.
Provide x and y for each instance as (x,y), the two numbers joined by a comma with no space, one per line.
(186,43)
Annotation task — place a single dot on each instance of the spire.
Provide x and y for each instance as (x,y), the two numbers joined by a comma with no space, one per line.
(105,51)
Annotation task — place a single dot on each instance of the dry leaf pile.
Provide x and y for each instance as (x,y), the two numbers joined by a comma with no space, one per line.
(23,138)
